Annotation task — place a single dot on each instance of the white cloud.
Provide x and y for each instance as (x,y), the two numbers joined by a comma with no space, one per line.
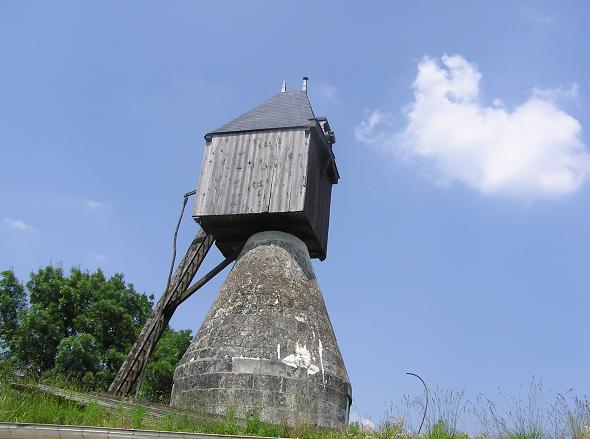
(370,130)
(541,19)
(93,204)
(99,256)
(329,92)
(558,93)
(18,224)
(532,151)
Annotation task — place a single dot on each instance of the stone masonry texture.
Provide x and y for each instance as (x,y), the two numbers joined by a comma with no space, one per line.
(267,345)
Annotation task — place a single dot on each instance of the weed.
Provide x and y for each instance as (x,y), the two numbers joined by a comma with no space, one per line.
(230,425)
(576,415)
(253,423)
(391,429)
(440,430)
(443,414)
(355,430)
(514,419)
(137,417)
(93,414)
(166,422)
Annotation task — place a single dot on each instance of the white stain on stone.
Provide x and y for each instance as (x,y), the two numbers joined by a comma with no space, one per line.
(276,302)
(321,351)
(312,369)
(301,358)
(300,318)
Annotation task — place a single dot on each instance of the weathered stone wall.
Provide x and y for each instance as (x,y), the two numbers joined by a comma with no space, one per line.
(267,344)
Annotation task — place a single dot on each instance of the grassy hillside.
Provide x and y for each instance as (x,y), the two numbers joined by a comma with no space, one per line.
(565,418)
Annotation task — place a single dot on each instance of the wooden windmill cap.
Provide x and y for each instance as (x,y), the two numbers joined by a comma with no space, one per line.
(272,168)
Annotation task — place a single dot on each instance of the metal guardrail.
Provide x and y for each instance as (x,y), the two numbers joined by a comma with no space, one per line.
(49,431)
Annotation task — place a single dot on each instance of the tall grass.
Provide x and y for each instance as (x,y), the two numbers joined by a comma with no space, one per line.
(444,409)
(576,413)
(43,409)
(514,417)
(535,414)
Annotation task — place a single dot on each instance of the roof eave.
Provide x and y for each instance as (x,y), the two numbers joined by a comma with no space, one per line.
(208,136)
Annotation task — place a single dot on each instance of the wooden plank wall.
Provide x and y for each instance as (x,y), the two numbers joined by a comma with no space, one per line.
(253,172)
(319,190)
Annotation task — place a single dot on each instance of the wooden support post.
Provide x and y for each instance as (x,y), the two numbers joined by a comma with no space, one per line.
(214,272)
(134,365)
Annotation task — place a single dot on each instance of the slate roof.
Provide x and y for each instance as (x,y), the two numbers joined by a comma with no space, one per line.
(284,110)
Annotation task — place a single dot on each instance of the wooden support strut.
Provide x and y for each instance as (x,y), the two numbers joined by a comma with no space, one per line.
(134,365)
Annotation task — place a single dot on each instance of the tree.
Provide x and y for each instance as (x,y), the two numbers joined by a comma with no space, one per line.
(78,355)
(82,325)
(159,373)
(66,306)
(12,303)
(37,339)
(43,325)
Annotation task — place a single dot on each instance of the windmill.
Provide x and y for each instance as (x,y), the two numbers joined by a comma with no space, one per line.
(267,344)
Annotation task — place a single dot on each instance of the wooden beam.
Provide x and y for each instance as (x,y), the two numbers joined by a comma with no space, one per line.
(201,282)
(134,365)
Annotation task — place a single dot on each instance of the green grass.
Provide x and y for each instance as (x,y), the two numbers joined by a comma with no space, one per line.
(35,407)
(512,419)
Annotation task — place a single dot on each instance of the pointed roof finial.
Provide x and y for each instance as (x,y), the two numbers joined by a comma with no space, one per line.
(304,87)
(284,87)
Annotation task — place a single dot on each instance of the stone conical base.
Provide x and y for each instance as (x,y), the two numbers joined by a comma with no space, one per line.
(267,345)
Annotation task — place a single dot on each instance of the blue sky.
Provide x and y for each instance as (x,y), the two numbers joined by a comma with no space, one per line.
(459,230)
